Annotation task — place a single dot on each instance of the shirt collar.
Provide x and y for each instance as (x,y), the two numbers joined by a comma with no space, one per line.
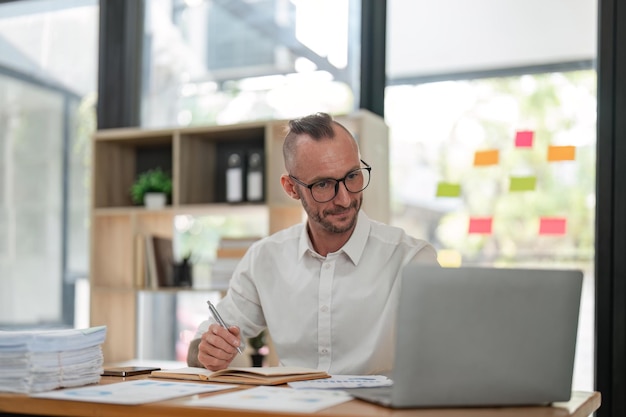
(353,248)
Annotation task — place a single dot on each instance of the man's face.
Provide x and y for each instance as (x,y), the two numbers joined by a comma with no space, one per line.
(329,216)
(329,158)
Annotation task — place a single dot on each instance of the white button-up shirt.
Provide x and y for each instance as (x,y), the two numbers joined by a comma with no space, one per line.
(333,313)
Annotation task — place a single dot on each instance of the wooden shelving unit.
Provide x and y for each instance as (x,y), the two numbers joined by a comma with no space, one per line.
(193,155)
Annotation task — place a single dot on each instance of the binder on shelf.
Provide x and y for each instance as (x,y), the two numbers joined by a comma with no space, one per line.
(240,171)
(234,178)
(254,175)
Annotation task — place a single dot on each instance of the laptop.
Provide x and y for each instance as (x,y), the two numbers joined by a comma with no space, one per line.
(482,337)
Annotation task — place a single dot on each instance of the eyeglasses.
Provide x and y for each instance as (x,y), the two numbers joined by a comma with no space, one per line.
(325,190)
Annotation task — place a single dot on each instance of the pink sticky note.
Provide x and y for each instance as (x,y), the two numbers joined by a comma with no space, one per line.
(524,138)
(480,225)
(552,226)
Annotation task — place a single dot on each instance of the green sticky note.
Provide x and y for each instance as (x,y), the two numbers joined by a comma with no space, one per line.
(448,189)
(522,183)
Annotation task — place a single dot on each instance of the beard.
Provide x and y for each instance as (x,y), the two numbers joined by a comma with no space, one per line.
(321,217)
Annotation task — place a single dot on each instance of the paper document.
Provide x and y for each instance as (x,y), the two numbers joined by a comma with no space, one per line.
(51,340)
(344,381)
(139,391)
(42,360)
(275,399)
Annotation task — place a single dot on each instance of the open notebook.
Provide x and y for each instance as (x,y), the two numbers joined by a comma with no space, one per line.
(244,375)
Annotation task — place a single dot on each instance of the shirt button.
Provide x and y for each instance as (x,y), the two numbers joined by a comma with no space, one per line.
(324,309)
(324,351)
(326,266)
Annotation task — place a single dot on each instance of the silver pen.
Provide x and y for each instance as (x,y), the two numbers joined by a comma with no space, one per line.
(222,323)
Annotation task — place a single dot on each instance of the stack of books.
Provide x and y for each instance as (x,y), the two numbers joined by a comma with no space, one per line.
(229,252)
(159,266)
(42,360)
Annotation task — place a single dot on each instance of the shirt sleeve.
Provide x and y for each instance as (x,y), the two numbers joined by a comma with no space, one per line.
(241,306)
(427,255)
(202,328)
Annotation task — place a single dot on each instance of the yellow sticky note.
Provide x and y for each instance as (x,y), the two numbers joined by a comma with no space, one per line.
(448,189)
(561,153)
(483,158)
(449,258)
(522,183)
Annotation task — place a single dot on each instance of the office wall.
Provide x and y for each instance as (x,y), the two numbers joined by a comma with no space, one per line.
(428,37)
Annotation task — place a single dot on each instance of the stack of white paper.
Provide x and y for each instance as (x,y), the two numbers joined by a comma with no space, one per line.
(36,361)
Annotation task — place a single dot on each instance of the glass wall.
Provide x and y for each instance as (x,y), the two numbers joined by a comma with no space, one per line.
(501,172)
(46,119)
(494,147)
(216,62)
(480,79)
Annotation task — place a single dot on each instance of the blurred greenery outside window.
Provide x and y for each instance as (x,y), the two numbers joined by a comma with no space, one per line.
(436,129)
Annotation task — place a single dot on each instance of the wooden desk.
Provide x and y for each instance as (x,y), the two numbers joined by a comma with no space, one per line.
(582,404)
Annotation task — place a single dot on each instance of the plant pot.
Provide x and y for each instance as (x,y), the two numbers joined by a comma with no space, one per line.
(182,274)
(257,359)
(154,201)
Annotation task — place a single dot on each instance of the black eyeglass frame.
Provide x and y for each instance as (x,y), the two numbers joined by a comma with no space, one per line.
(367,167)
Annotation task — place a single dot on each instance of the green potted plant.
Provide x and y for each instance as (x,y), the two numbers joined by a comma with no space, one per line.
(152,188)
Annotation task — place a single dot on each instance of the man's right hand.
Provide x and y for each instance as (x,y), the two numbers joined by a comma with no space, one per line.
(218,347)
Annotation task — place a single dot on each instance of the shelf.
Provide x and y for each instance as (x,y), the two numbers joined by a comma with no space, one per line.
(195,209)
(117,163)
(196,159)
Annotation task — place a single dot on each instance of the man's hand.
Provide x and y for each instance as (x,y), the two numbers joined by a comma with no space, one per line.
(216,348)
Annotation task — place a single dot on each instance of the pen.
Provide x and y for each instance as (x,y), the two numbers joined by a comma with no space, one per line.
(222,323)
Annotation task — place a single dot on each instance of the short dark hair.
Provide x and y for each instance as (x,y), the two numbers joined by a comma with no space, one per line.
(317,125)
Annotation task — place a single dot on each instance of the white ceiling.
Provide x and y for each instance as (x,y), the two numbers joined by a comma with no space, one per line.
(431,37)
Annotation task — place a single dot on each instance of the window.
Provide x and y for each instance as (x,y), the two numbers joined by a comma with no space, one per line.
(211,62)
(493,137)
(46,120)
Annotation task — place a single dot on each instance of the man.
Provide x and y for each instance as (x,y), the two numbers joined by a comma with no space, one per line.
(326,290)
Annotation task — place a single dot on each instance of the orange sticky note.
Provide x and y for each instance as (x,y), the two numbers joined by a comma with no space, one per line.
(552,226)
(561,153)
(483,158)
(524,139)
(480,225)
